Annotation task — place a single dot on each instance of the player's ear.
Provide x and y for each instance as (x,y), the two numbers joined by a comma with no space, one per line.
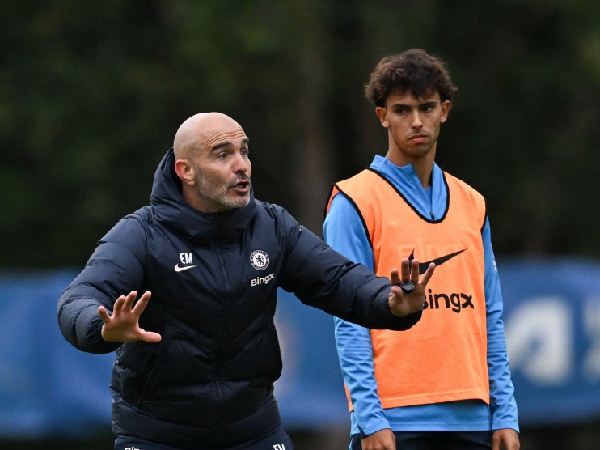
(382,114)
(185,171)
(445,110)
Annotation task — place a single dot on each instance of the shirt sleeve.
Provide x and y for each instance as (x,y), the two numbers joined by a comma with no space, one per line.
(502,401)
(343,230)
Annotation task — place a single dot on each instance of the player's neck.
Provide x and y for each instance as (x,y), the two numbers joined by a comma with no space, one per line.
(423,170)
(422,164)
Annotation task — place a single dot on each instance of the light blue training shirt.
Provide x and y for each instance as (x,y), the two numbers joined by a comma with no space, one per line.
(343,230)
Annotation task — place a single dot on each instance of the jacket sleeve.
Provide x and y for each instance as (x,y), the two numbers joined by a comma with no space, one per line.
(323,278)
(115,268)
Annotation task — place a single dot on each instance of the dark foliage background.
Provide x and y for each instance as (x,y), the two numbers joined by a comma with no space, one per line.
(91,94)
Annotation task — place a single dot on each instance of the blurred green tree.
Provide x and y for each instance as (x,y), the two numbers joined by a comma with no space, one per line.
(91,94)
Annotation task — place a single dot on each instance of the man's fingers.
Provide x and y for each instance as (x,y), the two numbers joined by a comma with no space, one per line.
(414,271)
(119,303)
(128,305)
(149,336)
(406,269)
(123,326)
(394,277)
(140,306)
(103,314)
(427,275)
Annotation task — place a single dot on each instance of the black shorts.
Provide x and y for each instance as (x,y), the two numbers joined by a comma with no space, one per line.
(436,440)
(274,440)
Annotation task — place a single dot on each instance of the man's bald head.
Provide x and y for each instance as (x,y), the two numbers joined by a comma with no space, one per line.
(211,160)
(201,130)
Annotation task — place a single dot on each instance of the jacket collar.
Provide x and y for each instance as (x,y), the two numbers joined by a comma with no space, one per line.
(171,209)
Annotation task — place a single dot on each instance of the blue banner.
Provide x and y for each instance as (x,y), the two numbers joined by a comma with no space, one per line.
(552,321)
(552,324)
(46,386)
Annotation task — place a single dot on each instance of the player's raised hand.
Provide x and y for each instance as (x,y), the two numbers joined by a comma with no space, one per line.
(410,299)
(123,324)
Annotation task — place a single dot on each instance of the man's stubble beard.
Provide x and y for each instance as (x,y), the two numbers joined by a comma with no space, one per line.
(216,192)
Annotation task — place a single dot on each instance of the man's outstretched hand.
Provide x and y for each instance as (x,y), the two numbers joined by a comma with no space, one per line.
(123,324)
(402,303)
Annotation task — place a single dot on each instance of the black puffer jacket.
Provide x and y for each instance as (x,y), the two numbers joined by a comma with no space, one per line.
(214,280)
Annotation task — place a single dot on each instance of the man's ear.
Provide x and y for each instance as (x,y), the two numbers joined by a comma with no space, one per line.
(445,110)
(186,171)
(382,114)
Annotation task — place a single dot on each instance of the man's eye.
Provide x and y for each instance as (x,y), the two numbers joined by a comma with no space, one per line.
(245,153)
(222,155)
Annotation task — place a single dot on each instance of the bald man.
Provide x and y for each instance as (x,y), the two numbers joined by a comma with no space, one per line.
(197,352)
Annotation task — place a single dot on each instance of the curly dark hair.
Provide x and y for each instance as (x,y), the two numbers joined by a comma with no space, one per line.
(411,71)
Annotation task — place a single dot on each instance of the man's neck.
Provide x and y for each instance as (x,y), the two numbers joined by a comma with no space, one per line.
(423,166)
(423,170)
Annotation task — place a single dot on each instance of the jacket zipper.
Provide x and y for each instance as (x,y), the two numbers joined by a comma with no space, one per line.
(221,341)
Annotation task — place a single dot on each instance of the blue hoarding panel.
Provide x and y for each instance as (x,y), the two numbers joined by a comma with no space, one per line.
(46,385)
(552,321)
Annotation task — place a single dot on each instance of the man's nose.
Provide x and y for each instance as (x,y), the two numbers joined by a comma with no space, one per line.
(416,119)
(240,163)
